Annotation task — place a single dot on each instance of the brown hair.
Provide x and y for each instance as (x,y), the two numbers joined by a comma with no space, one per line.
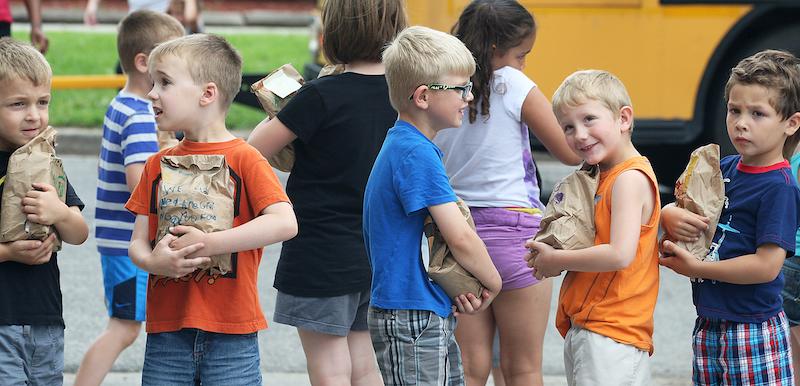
(141,31)
(209,58)
(774,70)
(21,61)
(355,30)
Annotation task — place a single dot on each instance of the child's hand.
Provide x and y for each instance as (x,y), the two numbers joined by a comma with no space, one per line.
(187,235)
(542,259)
(31,252)
(42,205)
(166,261)
(678,259)
(681,224)
(470,304)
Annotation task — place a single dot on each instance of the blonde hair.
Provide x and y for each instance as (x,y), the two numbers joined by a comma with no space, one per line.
(420,55)
(209,58)
(597,85)
(140,32)
(356,30)
(774,70)
(21,61)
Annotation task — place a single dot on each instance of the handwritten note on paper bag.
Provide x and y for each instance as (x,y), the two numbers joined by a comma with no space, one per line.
(196,190)
(34,161)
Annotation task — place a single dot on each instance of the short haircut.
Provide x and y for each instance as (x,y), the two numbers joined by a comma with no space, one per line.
(778,71)
(596,85)
(420,55)
(21,61)
(209,58)
(358,30)
(141,31)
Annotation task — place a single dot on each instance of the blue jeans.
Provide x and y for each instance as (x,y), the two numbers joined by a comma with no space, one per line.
(194,357)
(31,355)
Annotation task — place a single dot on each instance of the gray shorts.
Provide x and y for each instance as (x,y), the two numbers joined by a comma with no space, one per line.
(32,355)
(336,315)
(415,347)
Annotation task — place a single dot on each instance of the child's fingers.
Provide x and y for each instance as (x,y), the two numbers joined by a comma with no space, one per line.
(180,230)
(697,221)
(189,249)
(41,186)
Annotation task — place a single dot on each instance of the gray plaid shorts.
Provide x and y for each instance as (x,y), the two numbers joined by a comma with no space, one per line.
(415,347)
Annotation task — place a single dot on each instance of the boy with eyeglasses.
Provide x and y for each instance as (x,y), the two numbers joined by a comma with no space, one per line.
(411,320)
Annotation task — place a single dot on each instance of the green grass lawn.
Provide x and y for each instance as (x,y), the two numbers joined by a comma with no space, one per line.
(79,53)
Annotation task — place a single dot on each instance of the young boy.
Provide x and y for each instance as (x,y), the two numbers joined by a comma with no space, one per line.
(741,332)
(607,299)
(31,322)
(129,138)
(410,319)
(203,326)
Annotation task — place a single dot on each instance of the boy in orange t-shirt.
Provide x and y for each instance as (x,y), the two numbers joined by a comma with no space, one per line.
(608,297)
(190,309)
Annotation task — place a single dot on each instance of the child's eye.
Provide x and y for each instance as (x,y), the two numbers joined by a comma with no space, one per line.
(758,114)
(164,82)
(589,118)
(568,129)
(44,102)
(733,110)
(17,104)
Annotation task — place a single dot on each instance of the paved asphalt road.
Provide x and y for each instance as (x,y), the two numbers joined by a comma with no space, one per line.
(86,317)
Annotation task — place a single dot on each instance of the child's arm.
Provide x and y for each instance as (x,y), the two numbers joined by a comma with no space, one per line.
(270,136)
(760,267)
(470,252)
(682,225)
(537,113)
(133,173)
(632,200)
(162,260)
(31,252)
(276,223)
(42,206)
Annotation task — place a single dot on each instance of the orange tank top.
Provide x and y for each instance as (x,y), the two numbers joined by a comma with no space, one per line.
(617,304)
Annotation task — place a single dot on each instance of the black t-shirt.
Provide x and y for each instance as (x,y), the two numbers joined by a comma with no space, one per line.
(340,122)
(31,294)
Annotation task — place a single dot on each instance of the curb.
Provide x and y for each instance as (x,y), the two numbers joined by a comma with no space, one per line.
(85,141)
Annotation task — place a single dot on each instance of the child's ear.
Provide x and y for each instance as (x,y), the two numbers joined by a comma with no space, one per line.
(792,123)
(420,97)
(140,62)
(210,94)
(626,118)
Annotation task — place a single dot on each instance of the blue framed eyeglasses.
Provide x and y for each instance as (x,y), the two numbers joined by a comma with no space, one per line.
(465,89)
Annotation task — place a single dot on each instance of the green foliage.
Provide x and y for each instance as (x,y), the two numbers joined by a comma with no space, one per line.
(85,53)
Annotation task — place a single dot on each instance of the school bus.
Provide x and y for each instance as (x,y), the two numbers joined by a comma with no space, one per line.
(674,56)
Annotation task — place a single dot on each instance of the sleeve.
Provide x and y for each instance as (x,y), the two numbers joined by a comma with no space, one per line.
(72,198)
(305,113)
(139,202)
(139,139)
(421,181)
(263,186)
(518,86)
(777,218)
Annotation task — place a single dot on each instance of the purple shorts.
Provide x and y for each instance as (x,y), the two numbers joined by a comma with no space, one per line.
(505,232)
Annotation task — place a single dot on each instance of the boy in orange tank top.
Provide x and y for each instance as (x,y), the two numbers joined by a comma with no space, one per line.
(607,299)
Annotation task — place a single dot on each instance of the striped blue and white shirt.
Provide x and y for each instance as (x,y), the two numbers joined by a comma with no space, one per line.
(129,136)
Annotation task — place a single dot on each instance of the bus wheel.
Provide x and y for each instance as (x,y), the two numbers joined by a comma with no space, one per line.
(782,38)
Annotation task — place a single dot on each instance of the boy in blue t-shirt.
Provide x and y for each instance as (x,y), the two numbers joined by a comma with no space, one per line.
(129,138)
(741,333)
(411,319)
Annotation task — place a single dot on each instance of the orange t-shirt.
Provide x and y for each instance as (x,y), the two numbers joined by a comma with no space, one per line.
(227,303)
(617,304)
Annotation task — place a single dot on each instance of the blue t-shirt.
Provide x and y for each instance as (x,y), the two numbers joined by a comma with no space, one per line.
(795,162)
(129,136)
(761,207)
(408,177)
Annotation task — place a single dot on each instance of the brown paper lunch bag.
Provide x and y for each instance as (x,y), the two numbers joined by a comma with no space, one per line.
(443,268)
(272,104)
(700,189)
(35,161)
(196,190)
(568,219)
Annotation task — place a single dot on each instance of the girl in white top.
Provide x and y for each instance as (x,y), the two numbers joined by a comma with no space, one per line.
(490,166)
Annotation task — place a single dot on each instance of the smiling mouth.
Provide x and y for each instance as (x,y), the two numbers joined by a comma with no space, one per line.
(587,147)
(157,111)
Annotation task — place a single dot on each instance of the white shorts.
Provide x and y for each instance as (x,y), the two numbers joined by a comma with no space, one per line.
(593,359)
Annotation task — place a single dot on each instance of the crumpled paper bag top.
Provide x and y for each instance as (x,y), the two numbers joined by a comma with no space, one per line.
(700,189)
(568,219)
(443,268)
(274,91)
(34,161)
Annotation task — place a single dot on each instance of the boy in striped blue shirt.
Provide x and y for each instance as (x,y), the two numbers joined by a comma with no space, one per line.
(129,138)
